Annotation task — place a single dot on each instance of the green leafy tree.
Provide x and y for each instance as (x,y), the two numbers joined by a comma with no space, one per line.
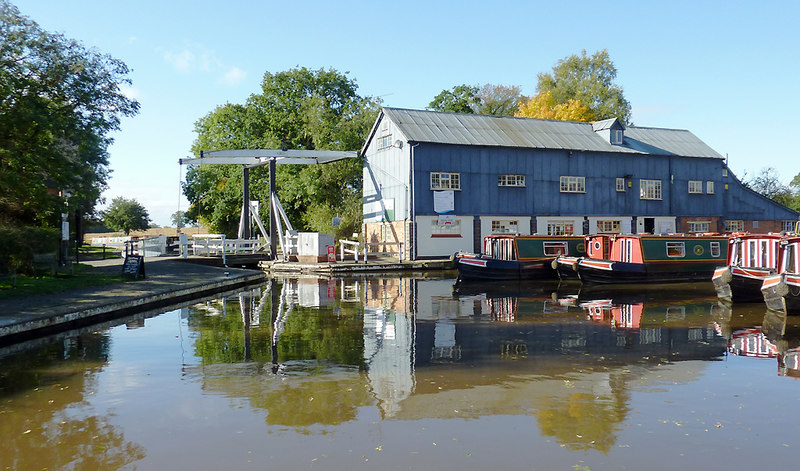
(126,215)
(461,99)
(768,183)
(498,100)
(179,219)
(299,109)
(588,80)
(59,102)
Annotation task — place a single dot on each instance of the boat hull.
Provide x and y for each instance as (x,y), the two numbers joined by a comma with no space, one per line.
(611,272)
(481,268)
(567,267)
(740,284)
(782,293)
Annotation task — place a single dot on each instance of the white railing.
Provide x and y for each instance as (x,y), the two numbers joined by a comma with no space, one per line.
(398,252)
(343,248)
(218,244)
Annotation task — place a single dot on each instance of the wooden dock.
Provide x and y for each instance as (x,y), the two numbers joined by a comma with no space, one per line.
(349,267)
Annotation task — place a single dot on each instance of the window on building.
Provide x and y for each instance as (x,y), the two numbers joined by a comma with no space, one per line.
(695,186)
(385,141)
(650,189)
(676,249)
(511,180)
(608,226)
(445,181)
(789,226)
(710,188)
(573,184)
(724,172)
(504,226)
(446,227)
(715,249)
(699,226)
(735,225)
(616,136)
(620,184)
(755,224)
(554,249)
(560,228)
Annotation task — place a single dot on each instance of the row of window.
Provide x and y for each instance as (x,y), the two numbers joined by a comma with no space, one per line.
(452,226)
(648,189)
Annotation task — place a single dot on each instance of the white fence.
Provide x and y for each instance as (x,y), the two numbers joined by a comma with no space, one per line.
(349,247)
(218,244)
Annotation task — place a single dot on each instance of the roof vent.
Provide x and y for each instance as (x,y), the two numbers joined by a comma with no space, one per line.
(612,130)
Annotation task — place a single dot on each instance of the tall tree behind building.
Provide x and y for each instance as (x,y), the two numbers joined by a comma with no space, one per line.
(576,81)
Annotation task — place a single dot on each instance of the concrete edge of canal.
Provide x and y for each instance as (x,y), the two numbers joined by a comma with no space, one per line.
(171,282)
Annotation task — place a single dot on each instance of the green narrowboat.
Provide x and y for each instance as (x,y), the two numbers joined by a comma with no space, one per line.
(675,258)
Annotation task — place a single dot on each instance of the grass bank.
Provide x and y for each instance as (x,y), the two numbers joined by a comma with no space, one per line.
(82,276)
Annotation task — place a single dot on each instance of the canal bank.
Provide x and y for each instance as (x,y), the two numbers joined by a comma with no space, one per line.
(169,281)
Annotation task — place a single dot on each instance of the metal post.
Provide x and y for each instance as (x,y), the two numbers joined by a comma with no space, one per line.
(246,202)
(273,216)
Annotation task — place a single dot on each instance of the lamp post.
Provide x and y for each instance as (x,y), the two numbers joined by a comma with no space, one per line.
(64,243)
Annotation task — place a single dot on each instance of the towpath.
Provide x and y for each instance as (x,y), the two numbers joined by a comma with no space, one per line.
(168,281)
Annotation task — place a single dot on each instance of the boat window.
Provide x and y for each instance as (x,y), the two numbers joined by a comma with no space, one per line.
(676,249)
(715,249)
(752,252)
(764,253)
(554,249)
(789,266)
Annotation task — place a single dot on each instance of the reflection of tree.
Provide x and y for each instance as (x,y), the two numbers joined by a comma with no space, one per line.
(321,351)
(320,334)
(221,338)
(585,420)
(38,429)
(316,402)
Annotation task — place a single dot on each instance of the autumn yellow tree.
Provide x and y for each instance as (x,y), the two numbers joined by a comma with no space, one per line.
(544,106)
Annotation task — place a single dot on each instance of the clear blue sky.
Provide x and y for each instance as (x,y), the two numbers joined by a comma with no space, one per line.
(725,70)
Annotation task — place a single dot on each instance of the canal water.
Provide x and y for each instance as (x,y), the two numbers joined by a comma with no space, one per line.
(413,373)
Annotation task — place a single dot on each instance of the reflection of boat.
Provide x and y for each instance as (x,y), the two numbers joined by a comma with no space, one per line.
(782,291)
(637,258)
(632,310)
(597,246)
(508,257)
(751,258)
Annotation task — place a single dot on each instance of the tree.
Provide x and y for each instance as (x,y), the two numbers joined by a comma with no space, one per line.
(768,183)
(126,215)
(590,81)
(59,102)
(498,100)
(461,99)
(544,106)
(179,219)
(301,109)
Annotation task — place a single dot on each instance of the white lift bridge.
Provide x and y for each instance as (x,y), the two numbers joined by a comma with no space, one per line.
(252,158)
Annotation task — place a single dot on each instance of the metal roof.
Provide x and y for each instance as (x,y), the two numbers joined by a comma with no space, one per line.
(504,131)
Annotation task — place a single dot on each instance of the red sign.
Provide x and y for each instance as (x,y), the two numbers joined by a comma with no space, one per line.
(331,254)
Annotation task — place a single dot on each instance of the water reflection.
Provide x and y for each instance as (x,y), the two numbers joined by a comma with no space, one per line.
(424,348)
(314,356)
(45,422)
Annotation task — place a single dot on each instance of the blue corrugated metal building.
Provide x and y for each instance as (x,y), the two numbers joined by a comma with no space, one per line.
(439,182)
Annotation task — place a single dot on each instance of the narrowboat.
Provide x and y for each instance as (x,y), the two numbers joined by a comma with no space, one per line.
(781,291)
(509,257)
(675,258)
(751,258)
(597,246)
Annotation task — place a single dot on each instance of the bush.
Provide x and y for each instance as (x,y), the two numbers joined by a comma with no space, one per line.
(18,244)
